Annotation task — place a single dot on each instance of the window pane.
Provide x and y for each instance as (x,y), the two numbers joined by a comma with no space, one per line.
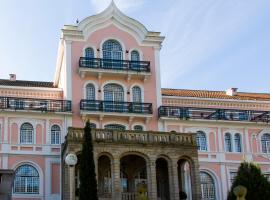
(113,92)
(26,180)
(135,56)
(26,134)
(237,143)
(136,94)
(90,92)
(138,128)
(115,127)
(208,191)
(265,140)
(228,142)
(201,141)
(55,134)
(89,53)
(112,50)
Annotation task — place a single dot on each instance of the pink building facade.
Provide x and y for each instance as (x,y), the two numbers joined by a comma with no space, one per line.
(108,71)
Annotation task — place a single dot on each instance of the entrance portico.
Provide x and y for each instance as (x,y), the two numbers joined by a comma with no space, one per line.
(127,159)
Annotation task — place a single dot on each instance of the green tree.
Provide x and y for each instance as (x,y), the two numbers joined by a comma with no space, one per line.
(250,176)
(88,182)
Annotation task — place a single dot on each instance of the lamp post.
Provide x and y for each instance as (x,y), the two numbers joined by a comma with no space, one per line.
(71,160)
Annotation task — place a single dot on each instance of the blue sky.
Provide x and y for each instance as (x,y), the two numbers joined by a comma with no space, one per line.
(210,44)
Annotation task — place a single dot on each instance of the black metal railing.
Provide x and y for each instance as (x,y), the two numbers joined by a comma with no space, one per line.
(214,114)
(44,105)
(125,65)
(114,106)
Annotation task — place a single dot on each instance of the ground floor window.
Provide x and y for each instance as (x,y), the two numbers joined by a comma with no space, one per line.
(26,180)
(208,190)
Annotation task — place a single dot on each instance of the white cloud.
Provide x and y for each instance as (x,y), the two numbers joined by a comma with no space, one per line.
(123,5)
(198,30)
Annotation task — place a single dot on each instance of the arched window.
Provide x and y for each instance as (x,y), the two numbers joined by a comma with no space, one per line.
(26,133)
(26,180)
(93,125)
(55,134)
(201,141)
(113,92)
(265,140)
(135,56)
(138,128)
(237,143)
(208,190)
(115,127)
(136,94)
(112,49)
(90,92)
(228,142)
(89,52)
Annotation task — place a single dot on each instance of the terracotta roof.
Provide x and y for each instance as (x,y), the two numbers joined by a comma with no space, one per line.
(215,94)
(21,83)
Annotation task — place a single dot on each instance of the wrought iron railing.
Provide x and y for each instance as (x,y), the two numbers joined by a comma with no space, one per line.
(115,106)
(214,114)
(45,105)
(126,65)
(140,137)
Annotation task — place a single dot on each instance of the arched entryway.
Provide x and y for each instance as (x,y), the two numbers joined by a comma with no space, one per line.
(162,176)
(133,175)
(184,179)
(104,177)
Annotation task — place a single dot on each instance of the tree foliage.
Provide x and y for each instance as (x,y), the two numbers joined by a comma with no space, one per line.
(250,176)
(88,182)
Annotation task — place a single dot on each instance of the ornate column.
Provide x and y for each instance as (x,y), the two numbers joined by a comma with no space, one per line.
(116,178)
(175,180)
(152,180)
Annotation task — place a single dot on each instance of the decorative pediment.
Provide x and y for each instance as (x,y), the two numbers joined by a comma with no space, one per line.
(112,15)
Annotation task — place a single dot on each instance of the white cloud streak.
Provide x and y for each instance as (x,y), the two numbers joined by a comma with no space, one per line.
(197,30)
(123,5)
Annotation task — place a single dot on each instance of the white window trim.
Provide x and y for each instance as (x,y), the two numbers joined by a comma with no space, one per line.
(114,82)
(138,50)
(131,92)
(89,46)
(116,39)
(41,179)
(215,179)
(233,133)
(34,134)
(95,86)
(115,122)
(60,136)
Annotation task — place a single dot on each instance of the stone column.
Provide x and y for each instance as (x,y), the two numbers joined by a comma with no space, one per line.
(116,179)
(152,180)
(175,181)
(72,182)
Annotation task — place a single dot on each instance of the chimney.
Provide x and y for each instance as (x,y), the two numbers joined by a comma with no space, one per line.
(12,77)
(231,91)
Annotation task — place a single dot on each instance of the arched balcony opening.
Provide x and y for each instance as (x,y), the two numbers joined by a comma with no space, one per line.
(104,177)
(133,175)
(162,176)
(184,179)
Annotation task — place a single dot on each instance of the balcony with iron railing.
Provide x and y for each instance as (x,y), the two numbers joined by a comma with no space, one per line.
(111,66)
(116,108)
(186,113)
(30,104)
